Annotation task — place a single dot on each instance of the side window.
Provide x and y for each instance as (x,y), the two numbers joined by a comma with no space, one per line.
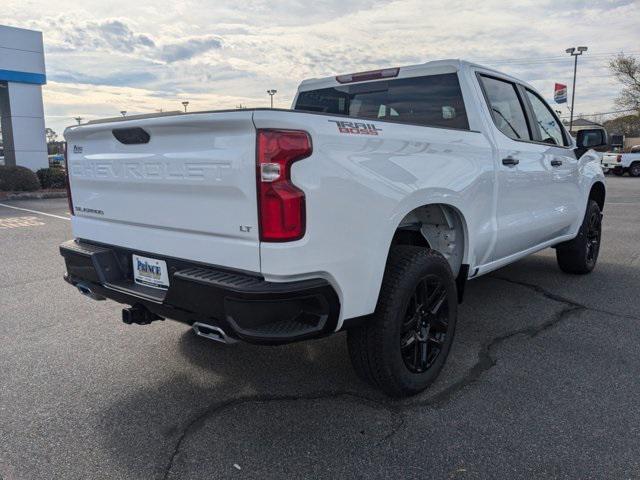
(545,121)
(506,109)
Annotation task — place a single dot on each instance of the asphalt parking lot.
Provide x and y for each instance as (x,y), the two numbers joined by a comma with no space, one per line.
(543,380)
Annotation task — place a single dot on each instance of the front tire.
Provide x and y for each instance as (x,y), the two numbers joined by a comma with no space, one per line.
(403,346)
(579,256)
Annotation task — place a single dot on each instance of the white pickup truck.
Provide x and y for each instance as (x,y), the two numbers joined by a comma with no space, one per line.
(619,163)
(365,208)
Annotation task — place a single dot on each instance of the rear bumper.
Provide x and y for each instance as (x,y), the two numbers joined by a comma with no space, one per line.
(244,305)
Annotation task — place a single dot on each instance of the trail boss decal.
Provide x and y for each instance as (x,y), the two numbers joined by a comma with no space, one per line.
(356,128)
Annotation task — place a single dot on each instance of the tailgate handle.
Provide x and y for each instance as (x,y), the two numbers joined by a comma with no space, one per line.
(131,136)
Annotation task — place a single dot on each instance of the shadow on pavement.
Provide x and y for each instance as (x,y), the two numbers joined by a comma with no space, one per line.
(305,397)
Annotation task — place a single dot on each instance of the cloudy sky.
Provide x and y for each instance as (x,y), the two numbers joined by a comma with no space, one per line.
(142,56)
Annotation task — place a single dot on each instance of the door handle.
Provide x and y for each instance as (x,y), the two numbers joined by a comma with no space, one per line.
(510,161)
(556,163)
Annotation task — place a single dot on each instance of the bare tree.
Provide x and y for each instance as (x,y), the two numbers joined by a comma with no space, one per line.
(51,135)
(627,125)
(627,71)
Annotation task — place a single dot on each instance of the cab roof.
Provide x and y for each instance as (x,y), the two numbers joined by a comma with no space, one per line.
(429,68)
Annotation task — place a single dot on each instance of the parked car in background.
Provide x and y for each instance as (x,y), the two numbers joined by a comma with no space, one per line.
(621,163)
(365,208)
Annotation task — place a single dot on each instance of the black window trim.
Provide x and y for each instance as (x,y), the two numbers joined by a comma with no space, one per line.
(565,139)
(400,122)
(518,96)
(526,108)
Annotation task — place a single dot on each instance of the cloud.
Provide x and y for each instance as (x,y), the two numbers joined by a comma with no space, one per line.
(218,54)
(303,12)
(189,48)
(117,36)
(118,78)
(64,101)
(114,35)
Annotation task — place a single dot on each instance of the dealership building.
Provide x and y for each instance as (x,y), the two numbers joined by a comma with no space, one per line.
(22,74)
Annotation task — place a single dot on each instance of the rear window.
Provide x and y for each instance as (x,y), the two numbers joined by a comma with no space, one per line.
(433,101)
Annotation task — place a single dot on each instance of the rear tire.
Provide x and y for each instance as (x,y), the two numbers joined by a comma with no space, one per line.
(403,346)
(579,256)
(634,169)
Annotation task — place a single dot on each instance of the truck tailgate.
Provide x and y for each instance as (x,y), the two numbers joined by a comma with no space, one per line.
(610,160)
(188,192)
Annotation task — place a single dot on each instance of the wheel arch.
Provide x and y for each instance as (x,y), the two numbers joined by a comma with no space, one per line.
(397,231)
(438,225)
(598,194)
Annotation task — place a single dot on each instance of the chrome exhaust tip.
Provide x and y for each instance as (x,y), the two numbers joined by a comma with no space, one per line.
(85,289)
(212,333)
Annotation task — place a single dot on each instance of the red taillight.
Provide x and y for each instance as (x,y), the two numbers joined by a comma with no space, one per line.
(619,158)
(281,206)
(66,174)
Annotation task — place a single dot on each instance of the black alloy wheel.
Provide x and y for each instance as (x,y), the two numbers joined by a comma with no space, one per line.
(594,232)
(402,347)
(579,256)
(424,330)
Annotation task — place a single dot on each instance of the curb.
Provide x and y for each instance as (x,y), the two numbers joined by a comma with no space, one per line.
(41,195)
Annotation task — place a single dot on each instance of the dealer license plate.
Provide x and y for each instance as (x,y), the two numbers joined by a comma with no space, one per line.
(150,272)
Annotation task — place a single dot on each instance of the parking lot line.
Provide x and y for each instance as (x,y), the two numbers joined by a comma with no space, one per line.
(35,211)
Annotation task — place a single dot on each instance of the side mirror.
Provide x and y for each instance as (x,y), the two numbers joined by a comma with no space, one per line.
(591,138)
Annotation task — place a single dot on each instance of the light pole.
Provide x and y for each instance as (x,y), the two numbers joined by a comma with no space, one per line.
(575,53)
(184,104)
(123,113)
(271,94)
(78,119)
